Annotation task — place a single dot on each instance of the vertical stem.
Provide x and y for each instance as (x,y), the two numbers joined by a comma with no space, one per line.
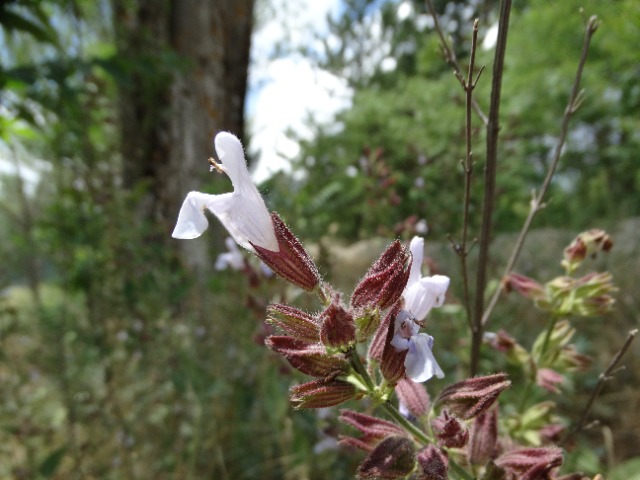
(493,128)
(469,85)
(450,57)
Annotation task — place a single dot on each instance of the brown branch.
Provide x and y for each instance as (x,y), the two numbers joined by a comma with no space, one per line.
(603,377)
(575,99)
(450,57)
(462,249)
(493,128)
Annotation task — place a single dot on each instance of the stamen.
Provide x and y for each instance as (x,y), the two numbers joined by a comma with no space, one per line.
(215,166)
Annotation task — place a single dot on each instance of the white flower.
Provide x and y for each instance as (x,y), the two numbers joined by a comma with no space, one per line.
(242,212)
(420,295)
(232,258)
(420,364)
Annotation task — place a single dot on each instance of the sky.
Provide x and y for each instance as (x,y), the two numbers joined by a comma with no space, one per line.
(285,91)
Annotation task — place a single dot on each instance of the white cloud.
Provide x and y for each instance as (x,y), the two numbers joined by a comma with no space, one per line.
(285,92)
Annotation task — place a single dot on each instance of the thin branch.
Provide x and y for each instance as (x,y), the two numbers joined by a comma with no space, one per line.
(450,57)
(604,376)
(493,128)
(575,99)
(462,249)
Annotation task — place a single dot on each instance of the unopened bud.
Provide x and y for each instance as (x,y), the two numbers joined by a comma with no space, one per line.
(321,393)
(587,243)
(469,398)
(392,361)
(294,322)
(413,396)
(384,283)
(525,286)
(376,347)
(433,464)
(309,358)
(570,360)
(291,262)
(549,379)
(450,432)
(393,457)
(373,429)
(483,444)
(503,342)
(337,328)
(531,463)
(552,433)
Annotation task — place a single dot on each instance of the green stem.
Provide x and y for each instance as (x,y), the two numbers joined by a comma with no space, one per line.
(418,434)
(357,365)
(525,395)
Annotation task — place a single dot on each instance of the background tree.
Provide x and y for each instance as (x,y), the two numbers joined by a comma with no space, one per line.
(186,66)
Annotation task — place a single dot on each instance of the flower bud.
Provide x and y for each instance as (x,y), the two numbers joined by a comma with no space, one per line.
(383,284)
(552,433)
(291,262)
(503,342)
(373,429)
(450,432)
(321,393)
(549,379)
(433,464)
(294,322)
(586,244)
(531,463)
(393,457)
(309,358)
(483,444)
(392,361)
(570,360)
(525,286)
(413,396)
(469,398)
(376,347)
(337,328)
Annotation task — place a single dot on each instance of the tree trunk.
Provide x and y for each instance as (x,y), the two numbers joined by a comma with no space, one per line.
(186,63)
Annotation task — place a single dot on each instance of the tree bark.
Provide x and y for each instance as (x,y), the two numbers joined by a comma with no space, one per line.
(186,64)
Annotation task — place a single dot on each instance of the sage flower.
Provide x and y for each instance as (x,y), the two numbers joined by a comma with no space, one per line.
(242,212)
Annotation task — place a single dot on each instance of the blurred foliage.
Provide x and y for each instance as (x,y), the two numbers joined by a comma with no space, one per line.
(396,153)
(114,363)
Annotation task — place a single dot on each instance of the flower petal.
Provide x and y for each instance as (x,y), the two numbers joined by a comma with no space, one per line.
(246,218)
(243,212)
(417,251)
(420,364)
(422,296)
(192,221)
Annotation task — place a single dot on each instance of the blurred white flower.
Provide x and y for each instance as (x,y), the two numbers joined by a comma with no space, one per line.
(232,258)
(242,212)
